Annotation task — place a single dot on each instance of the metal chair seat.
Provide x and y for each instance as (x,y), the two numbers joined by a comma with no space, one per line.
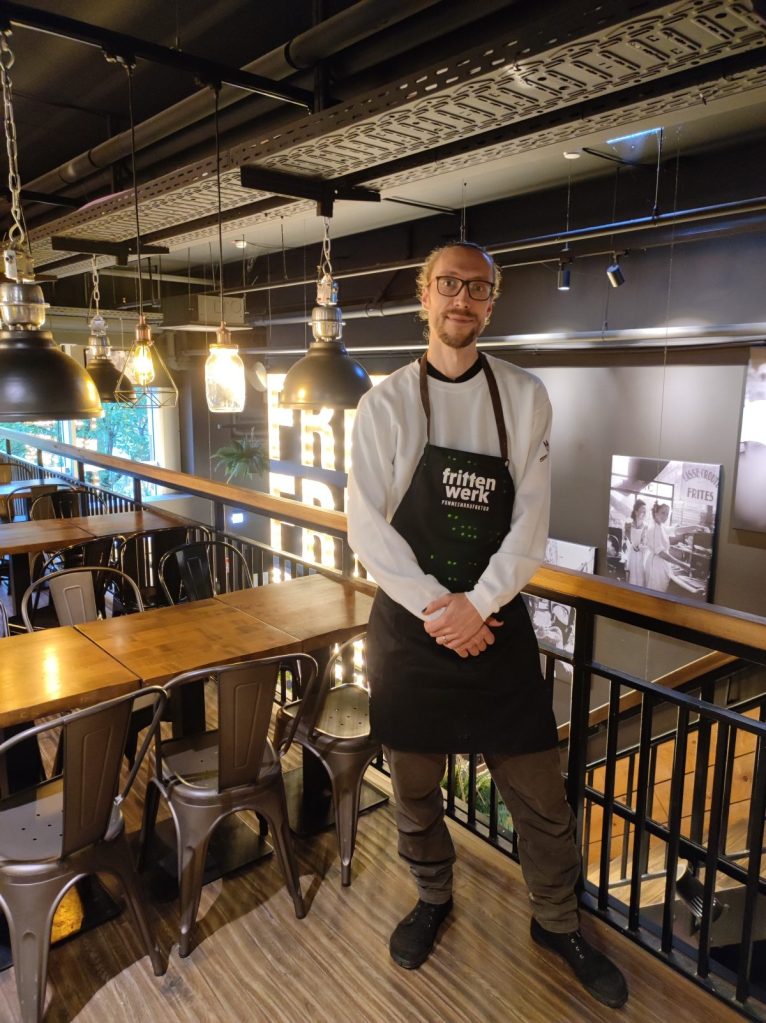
(335,727)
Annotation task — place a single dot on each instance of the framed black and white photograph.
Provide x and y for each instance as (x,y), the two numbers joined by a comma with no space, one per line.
(554,622)
(750,487)
(662,522)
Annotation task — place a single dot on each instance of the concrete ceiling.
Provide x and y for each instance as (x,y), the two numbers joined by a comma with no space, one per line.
(485,110)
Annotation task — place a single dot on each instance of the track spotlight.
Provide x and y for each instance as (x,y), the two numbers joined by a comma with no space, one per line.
(564,276)
(614,273)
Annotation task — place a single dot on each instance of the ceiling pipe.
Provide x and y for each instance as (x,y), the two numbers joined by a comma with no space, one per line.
(365,18)
(694,215)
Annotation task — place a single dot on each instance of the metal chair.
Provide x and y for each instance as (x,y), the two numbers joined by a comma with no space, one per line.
(187,572)
(139,557)
(81,595)
(333,723)
(4,630)
(67,503)
(207,775)
(66,827)
(21,498)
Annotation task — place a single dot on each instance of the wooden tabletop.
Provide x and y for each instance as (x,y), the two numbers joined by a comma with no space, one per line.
(315,609)
(40,535)
(53,670)
(139,521)
(160,643)
(23,486)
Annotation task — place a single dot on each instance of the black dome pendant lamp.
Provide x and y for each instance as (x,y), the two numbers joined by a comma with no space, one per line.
(326,376)
(38,381)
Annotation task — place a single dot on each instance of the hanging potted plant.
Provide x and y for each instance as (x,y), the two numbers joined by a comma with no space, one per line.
(241,459)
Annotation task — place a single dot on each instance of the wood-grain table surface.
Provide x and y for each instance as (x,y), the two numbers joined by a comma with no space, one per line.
(139,520)
(22,486)
(53,670)
(317,610)
(163,642)
(40,535)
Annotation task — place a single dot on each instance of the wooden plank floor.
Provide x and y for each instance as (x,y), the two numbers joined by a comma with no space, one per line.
(254,961)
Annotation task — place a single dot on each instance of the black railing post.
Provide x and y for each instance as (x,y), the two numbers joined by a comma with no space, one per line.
(137,496)
(81,471)
(580,707)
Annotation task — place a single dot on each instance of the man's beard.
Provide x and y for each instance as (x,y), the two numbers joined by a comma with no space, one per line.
(455,336)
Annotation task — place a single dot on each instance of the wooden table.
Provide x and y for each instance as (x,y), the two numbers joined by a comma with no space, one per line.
(317,610)
(165,641)
(53,670)
(20,539)
(141,520)
(22,486)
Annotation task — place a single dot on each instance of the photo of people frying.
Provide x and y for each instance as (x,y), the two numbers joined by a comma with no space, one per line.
(662,517)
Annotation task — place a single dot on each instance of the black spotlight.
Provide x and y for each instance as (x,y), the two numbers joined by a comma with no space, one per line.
(615,274)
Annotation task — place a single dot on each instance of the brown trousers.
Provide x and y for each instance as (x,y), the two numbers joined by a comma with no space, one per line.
(532,788)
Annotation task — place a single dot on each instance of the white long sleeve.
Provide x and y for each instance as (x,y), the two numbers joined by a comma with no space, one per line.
(388,441)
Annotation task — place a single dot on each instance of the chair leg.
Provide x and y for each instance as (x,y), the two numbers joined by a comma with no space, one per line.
(273,805)
(30,912)
(346,774)
(151,805)
(192,852)
(120,862)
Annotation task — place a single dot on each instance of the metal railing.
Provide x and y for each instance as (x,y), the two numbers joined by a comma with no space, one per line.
(667,775)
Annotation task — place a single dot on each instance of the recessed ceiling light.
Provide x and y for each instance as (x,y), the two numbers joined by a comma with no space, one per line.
(240,243)
(572,154)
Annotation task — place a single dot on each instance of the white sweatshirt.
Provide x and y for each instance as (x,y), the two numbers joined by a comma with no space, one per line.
(387,443)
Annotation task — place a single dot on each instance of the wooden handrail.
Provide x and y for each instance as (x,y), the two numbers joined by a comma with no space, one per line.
(187,483)
(709,620)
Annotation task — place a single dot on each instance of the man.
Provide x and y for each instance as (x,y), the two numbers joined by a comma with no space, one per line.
(448,510)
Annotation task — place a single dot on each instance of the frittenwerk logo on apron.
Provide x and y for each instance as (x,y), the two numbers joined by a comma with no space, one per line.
(464,489)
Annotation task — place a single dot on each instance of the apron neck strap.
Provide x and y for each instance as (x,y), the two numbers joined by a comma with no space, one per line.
(494,395)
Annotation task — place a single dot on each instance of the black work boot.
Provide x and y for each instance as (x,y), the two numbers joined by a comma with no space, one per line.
(414,936)
(597,974)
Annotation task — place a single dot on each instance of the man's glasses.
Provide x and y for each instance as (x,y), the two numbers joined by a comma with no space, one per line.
(479,291)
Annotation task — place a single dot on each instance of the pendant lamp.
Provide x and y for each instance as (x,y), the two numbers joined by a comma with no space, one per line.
(37,379)
(145,382)
(100,367)
(327,376)
(224,369)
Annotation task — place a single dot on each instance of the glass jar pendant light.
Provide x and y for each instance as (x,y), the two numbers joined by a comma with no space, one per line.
(37,379)
(224,369)
(100,367)
(145,382)
(327,376)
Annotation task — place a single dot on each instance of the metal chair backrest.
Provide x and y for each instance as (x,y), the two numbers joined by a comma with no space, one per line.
(4,630)
(21,499)
(139,557)
(245,693)
(93,741)
(91,554)
(195,566)
(66,504)
(78,594)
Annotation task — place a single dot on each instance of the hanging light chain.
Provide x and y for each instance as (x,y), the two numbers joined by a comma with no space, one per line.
(16,233)
(96,290)
(325,265)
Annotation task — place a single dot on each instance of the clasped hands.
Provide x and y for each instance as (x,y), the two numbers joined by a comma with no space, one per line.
(460,626)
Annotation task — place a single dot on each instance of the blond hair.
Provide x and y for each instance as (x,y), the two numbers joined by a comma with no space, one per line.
(424,274)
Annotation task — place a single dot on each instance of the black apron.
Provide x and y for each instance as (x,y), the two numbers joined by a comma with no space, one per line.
(424,697)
